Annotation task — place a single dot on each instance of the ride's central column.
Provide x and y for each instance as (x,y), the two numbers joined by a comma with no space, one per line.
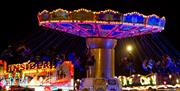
(104,53)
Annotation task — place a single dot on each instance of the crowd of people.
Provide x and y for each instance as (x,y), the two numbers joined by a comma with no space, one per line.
(165,65)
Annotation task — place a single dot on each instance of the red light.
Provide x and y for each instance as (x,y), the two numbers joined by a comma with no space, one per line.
(1,62)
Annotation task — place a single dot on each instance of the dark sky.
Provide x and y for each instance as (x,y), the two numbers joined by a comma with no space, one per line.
(19,19)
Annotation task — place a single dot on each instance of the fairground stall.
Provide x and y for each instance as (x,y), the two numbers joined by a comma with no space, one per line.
(156,81)
(39,76)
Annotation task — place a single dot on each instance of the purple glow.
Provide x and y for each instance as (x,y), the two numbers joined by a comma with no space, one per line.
(118,31)
(108,23)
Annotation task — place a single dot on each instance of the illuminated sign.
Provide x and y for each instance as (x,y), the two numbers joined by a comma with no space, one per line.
(139,79)
(29,66)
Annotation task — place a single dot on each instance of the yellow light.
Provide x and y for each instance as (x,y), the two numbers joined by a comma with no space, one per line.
(78,80)
(133,75)
(129,48)
(177,81)
(170,76)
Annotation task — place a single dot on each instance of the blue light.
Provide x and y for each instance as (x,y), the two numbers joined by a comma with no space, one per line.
(107,27)
(92,32)
(140,19)
(133,18)
(87,26)
(126,28)
(66,25)
(162,22)
(141,29)
(127,18)
(153,21)
(115,33)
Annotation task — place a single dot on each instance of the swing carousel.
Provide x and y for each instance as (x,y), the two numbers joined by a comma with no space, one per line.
(102,30)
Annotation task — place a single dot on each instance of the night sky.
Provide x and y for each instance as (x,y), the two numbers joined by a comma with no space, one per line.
(19,19)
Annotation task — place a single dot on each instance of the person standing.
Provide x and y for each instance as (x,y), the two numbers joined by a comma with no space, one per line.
(90,66)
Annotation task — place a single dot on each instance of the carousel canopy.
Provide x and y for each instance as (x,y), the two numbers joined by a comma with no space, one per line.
(106,24)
